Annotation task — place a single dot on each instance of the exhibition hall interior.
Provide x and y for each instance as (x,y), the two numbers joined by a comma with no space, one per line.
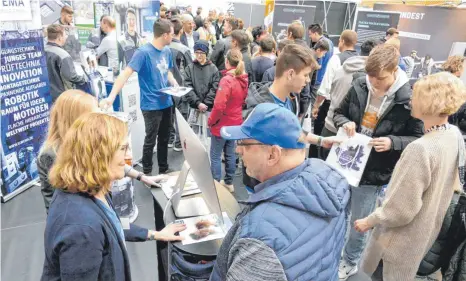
(249,140)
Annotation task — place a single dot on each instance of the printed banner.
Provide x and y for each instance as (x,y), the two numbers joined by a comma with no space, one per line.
(25,104)
(430,31)
(374,24)
(15,10)
(148,16)
(24,101)
(284,15)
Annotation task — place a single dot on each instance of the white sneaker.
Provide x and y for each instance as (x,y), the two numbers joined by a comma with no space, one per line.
(230,187)
(346,270)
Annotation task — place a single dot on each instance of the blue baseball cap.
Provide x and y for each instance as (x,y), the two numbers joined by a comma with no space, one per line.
(269,124)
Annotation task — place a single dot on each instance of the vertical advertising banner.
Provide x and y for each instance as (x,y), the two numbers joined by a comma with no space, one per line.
(284,15)
(149,15)
(268,15)
(374,24)
(24,102)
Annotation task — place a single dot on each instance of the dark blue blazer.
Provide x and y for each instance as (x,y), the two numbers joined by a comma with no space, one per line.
(82,244)
(184,40)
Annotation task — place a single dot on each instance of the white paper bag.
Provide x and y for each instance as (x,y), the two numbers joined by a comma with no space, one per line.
(198,121)
(350,157)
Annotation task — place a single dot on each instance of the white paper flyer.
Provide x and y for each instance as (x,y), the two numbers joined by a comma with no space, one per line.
(176,91)
(350,157)
(190,186)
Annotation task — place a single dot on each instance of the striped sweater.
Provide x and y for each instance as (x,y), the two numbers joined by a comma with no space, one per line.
(419,193)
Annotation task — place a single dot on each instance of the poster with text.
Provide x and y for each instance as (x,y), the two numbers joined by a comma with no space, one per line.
(15,10)
(431,31)
(149,15)
(24,104)
(374,24)
(284,15)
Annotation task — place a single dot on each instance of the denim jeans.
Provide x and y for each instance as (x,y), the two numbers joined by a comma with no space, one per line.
(217,146)
(363,200)
(157,124)
(183,107)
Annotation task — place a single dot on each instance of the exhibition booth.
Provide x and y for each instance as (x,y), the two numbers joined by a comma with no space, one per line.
(433,32)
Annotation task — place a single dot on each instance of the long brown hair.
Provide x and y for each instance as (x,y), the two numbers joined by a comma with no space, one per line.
(235,59)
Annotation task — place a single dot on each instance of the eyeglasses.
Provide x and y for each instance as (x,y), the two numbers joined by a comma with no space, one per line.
(198,53)
(124,147)
(241,143)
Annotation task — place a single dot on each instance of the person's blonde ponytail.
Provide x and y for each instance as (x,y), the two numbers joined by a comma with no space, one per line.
(239,68)
(235,59)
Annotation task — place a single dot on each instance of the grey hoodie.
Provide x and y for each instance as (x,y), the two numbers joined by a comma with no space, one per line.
(401,79)
(351,69)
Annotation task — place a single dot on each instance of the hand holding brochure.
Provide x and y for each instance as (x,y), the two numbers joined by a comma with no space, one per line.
(176,91)
(350,157)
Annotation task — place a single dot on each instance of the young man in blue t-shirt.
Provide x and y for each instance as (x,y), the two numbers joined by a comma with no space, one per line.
(153,62)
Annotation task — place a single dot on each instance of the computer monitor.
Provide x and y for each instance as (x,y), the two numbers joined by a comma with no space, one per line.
(198,163)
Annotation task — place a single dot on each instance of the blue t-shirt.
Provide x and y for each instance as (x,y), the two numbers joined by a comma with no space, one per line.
(152,66)
(286,104)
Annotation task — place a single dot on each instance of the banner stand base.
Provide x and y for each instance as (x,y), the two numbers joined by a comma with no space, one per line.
(7,197)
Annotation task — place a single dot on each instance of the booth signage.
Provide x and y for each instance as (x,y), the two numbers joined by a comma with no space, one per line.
(284,15)
(428,30)
(374,24)
(24,104)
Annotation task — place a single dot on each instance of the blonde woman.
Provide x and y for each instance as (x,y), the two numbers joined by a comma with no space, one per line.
(84,239)
(68,107)
(454,65)
(422,185)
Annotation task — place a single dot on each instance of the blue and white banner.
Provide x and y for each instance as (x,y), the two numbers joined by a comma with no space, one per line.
(25,103)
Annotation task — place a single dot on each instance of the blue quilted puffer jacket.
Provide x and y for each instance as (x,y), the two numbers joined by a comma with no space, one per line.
(300,215)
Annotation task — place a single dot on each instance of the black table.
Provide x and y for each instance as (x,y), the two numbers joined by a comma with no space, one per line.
(207,249)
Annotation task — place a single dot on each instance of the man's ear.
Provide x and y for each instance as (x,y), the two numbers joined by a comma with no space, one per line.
(275,154)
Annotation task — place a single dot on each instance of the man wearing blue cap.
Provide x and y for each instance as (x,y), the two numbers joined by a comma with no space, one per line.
(293,226)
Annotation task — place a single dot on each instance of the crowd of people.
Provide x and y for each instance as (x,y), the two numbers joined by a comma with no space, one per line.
(302,220)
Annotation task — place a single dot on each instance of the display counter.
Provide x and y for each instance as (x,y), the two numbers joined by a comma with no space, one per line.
(208,249)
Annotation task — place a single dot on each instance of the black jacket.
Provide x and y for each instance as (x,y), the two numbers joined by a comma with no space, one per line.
(204,80)
(396,123)
(451,235)
(304,96)
(61,70)
(218,29)
(260,65)
(220,51)
(184,39)
(181,58)
(459,119)
(248,65)
(457,269)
